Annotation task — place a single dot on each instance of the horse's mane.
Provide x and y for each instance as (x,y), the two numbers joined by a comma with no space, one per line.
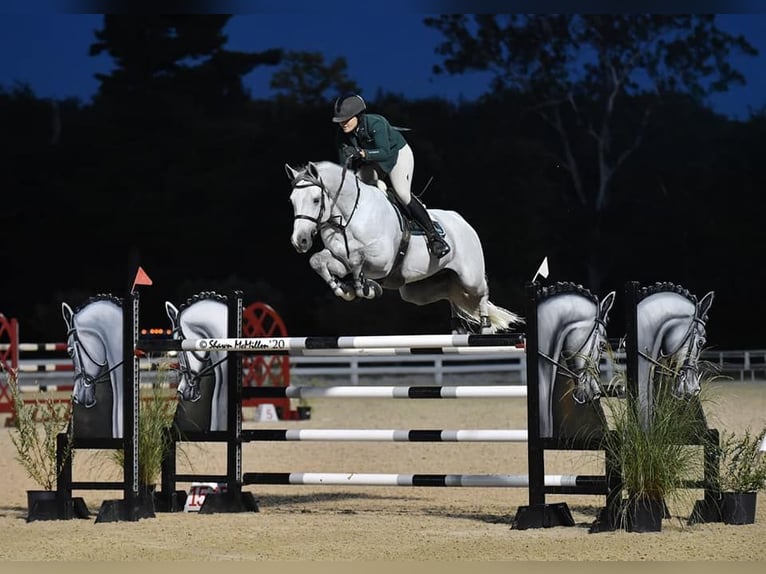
(562,287)
(202,296)
(100,297)
(665,287)
(322,164)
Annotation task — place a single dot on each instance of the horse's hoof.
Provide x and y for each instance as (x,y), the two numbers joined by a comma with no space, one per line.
(345,294)
(372,290)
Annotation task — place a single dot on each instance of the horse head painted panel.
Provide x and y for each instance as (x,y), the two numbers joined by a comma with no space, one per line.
(203,383)
(367,249)
(94,343)
(670,331)
(571,336)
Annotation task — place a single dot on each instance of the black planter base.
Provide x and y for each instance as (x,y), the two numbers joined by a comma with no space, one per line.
(45,505)
(173,502)
(121,511)
(645,515)
(218,502)
(726,507)
(738,507)
(542,516)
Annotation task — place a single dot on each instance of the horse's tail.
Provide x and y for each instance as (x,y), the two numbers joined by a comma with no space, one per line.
(500,319)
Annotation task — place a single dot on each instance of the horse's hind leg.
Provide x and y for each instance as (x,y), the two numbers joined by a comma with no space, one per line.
(435,288)
(332,270)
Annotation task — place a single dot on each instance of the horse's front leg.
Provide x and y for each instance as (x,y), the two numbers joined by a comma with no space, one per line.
(331,269)
(366,288)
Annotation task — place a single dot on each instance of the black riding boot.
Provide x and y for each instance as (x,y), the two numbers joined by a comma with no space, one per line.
(436,245)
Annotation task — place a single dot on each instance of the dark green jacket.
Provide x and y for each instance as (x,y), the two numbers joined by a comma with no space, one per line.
(377,137)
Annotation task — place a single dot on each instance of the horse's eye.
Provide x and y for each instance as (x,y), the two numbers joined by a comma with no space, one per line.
(70,351)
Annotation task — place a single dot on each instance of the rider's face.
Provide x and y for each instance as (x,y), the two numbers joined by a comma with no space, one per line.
(349,125)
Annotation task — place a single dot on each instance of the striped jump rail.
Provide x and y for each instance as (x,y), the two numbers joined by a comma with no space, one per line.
(270,345)
(35,347)
(386,435)
(388,392)
(397,392)
(560,484)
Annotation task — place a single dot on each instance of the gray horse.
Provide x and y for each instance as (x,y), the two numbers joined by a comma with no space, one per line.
(365,238)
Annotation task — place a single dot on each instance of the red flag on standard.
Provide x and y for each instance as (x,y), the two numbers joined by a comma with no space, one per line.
(141,279)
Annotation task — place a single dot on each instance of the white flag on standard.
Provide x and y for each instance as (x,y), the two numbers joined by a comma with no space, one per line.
(542,270)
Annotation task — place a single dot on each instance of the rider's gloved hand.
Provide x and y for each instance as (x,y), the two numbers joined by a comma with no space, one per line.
(351,153)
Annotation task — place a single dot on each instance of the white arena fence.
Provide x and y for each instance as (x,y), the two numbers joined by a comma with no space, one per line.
(741,365)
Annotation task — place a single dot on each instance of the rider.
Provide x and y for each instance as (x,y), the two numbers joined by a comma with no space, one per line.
(369,142)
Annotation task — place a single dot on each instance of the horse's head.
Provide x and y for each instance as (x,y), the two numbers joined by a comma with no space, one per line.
(196,367)
(583,348)
(688,344)
(309,200)
(89,336)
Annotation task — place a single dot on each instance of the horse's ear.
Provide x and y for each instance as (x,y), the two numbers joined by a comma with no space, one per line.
(68,314)
(313,170)
(606,305)
(704,306)
(291,173)
(172,312)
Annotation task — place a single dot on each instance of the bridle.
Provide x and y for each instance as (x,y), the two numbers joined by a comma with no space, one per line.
(76,348)
(689,364)
(305,179)
(591,342)
(184,368)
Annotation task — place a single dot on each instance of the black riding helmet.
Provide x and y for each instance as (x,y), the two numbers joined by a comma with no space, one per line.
(346,107)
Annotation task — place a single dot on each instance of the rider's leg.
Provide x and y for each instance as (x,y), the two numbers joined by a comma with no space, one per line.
(436,245)
(368,173)
(401,180)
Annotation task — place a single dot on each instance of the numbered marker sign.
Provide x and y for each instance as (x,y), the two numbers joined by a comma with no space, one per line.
(198,492)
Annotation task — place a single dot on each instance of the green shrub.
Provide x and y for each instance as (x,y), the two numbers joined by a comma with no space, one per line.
(742,466)
(38,422)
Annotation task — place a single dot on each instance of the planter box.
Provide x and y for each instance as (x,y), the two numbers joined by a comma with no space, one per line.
(738,507)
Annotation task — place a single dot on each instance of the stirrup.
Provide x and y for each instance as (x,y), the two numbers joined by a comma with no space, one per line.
(438,247)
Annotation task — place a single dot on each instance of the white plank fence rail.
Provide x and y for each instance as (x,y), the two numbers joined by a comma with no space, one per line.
(735,364)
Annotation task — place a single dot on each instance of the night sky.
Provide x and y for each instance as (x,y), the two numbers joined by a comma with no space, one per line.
(389,50)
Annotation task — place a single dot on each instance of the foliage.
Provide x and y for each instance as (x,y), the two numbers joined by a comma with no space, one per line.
(594,81)
(655,461)
(742,466)
(155,419)
(179,59)
(38,424)
(305,78)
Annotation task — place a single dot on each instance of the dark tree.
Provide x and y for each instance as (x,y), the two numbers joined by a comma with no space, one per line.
(304,78)
(587,76)
(180,59)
